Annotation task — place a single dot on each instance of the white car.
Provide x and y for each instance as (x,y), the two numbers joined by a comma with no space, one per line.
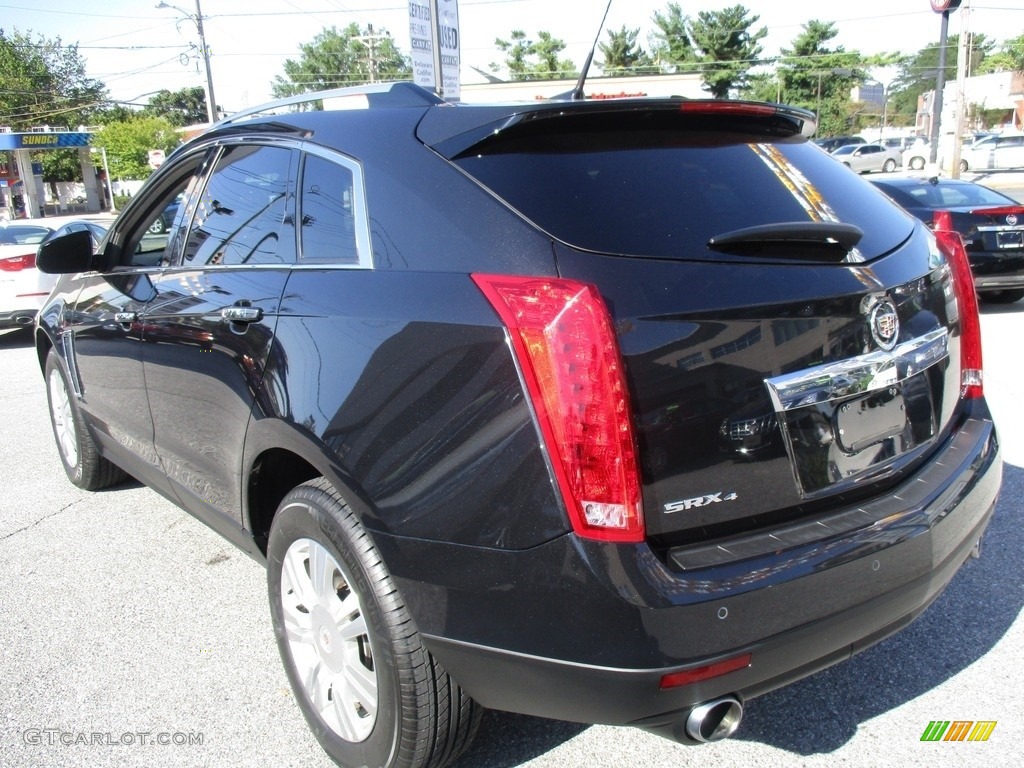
(23,288)
(864,158)
(995,153)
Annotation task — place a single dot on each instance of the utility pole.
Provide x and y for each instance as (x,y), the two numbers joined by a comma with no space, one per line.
(963,57)
(211,100)
(370,41)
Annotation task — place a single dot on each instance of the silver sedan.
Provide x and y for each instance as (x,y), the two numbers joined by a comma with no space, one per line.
(864,158)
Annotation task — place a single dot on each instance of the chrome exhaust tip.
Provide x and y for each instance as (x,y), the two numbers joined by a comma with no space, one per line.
(714,720)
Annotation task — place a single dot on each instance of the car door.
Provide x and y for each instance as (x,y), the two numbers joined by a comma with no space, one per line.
(859,160)
(102,332)
(1009,152)
(983,154)
(872,157)
(210,325)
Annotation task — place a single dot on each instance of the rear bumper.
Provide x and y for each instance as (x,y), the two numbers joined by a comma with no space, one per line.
(584,632)
(997,270)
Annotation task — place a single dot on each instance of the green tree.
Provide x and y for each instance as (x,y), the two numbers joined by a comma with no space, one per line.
(337,59)
(128,143)
(180,108)
(623,56)
(538,59)
(43,82)
(815,76)
(917,72)
(728,48)
(1010,57)
(670,42)
(517,53)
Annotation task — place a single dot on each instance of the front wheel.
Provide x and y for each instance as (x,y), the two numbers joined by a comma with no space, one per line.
(889,166)
(371,693)
(916,163)
(83,464)
(963,166)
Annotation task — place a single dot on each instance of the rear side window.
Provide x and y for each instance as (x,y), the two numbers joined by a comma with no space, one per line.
(241,217)
(651,185)
(328,211)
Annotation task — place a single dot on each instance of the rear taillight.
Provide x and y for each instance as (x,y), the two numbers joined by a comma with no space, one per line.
(723,106)
(565,345)
(18,263)
(952,246)
(1003,210)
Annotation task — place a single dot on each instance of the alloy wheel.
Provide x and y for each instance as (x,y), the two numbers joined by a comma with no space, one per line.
(328,638)
(63,419)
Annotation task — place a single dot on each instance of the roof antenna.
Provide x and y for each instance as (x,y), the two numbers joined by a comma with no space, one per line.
(576,94)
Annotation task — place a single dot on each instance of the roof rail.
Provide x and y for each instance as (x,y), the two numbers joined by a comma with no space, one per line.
(395,94)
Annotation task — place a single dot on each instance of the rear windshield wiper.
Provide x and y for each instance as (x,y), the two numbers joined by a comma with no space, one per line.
(797,239)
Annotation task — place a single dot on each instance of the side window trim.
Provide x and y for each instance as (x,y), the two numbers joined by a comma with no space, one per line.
(360,211)
(190,201)
(212,165)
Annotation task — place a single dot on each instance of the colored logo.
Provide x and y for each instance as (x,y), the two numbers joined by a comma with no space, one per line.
(958,730)
(885,324)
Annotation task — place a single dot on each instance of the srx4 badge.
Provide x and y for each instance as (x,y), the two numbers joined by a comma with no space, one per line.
(699,501)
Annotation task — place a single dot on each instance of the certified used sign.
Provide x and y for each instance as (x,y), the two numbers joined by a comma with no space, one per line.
(434,32)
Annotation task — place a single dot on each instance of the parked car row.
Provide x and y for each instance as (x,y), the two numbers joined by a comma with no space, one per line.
(988,152)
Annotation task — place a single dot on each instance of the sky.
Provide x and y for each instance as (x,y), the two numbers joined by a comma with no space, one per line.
(136,48)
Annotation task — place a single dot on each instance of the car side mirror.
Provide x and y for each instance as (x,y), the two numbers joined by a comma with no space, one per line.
(67,254)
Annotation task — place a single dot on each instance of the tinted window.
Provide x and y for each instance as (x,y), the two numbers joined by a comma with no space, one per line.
(327,208)
(241,216)
(626,185)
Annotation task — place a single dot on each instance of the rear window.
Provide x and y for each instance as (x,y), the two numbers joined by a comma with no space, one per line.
(943,195)
(644,184)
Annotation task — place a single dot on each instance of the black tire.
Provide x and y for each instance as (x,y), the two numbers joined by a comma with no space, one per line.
(158,227)
(79,455)
(917,163)
(889,166)
(1007,296)
(415,715)
(963,166)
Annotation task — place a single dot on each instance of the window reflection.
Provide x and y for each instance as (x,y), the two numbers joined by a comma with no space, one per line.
(241,217)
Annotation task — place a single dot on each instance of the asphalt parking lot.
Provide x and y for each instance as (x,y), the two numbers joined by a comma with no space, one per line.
(134,636)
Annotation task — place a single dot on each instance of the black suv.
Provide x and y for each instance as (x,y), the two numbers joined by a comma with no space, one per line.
(614,411)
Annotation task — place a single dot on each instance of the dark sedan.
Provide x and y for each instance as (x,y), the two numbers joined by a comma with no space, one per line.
(991,223)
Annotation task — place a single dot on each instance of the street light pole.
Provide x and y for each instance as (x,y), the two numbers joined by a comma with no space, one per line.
(211,101)
(885,105)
